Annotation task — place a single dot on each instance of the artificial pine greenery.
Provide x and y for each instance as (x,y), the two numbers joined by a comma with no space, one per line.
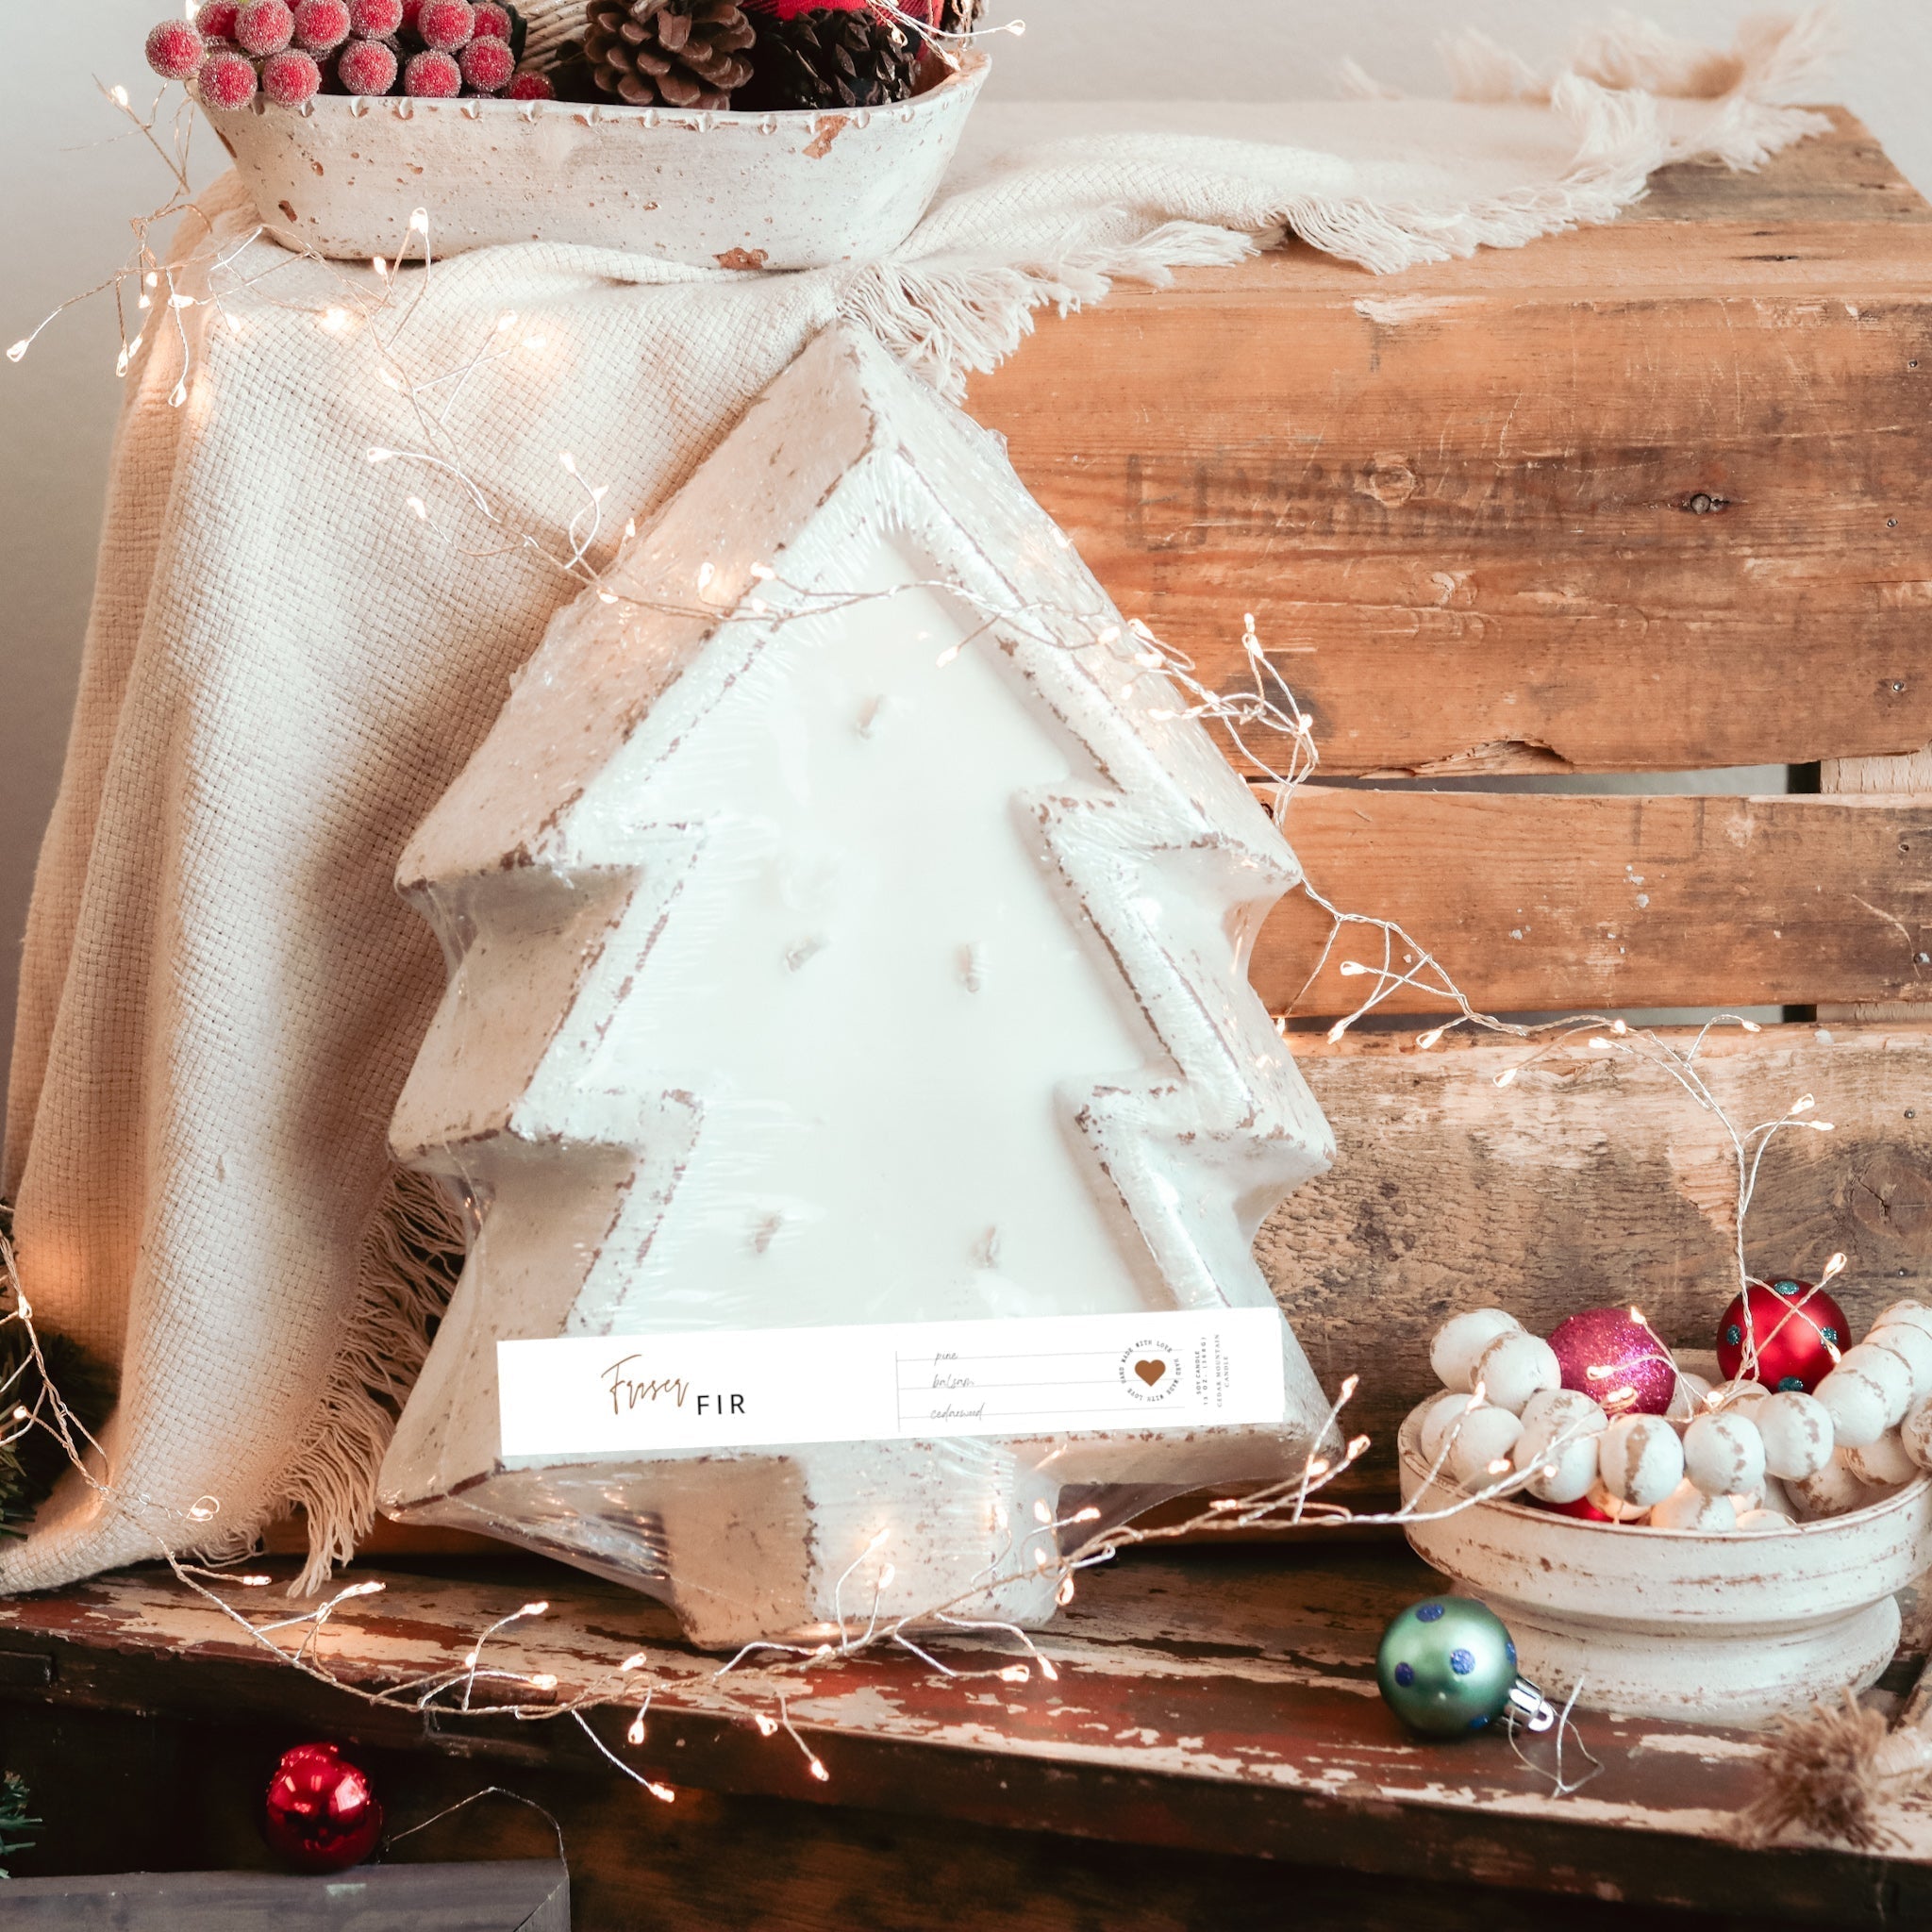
(33,1453)
(17,1829)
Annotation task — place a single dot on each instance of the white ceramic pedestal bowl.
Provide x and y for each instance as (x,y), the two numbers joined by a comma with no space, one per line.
(793,190)
(1667,1622)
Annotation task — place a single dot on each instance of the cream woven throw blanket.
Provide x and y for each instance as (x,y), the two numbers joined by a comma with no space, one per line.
(287,665)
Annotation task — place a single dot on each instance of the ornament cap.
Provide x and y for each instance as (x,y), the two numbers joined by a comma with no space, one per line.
(1529,1707)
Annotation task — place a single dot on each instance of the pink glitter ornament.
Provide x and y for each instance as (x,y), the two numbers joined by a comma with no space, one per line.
(1611,1355)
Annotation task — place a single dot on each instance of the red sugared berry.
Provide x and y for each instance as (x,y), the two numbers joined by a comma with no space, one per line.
(446,25)
(375,20)
(264,26)
(411,9)
(487,65)
(320,26)
(531,87)
(226,80)
(367,67)
(175,51)
(492,23)
(433,77)
(291,77)
(216,19)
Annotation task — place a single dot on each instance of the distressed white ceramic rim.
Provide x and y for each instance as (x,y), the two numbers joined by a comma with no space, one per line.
(618,113)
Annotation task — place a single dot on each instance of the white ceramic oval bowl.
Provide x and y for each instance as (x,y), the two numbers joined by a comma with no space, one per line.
(795,190)
(1668,1622)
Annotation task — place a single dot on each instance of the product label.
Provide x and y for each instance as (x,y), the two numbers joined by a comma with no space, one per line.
(768,1387)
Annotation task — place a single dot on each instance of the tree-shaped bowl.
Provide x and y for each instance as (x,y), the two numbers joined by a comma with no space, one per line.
(1733,1630)
(345,176)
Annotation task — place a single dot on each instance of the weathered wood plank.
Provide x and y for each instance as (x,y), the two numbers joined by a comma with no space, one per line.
(1901,777)
(498,1897)
(1220,1702)
(1541,903)
(1847,178)
(1590,1179)
(1641,497)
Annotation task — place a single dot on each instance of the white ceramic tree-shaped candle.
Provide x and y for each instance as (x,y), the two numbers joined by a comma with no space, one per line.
(846,925)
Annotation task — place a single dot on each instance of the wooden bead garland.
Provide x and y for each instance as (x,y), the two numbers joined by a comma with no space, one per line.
(1733,1457)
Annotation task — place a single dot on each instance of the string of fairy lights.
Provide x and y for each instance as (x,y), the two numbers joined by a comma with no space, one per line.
(762,1681)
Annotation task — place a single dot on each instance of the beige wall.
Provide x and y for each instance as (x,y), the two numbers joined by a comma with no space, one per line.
(74,177)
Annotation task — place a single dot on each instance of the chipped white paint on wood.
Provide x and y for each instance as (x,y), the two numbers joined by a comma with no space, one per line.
(1733,1630)
(775,190)
(709,1057)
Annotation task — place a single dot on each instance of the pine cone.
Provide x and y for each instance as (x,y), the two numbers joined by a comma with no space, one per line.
(684,53)
(829,56)
(960,16)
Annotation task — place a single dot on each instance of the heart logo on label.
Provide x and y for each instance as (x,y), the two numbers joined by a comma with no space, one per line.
(1150,1372)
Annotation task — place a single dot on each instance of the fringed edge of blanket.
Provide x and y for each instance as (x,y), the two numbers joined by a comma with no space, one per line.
(949,320)
(412,1252)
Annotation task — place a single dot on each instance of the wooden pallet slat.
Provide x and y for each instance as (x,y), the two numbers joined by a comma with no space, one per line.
(1902,777)
(1555,904)
(1557,507)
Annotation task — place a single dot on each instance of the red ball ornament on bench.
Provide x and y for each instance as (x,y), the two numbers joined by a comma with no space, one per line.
(321,1814)
(1785,1333)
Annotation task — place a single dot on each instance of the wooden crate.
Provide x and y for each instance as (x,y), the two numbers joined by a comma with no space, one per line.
(1646,498)
(1643,498)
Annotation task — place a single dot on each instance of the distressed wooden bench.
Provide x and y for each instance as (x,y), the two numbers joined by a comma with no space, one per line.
(1641,499)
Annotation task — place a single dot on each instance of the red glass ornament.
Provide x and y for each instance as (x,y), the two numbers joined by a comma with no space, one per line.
(1793,1337)
(1610,1356)
(322,1815)
(1582,1508)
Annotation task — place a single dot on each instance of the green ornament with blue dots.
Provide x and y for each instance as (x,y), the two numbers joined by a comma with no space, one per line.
(1447,1667)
